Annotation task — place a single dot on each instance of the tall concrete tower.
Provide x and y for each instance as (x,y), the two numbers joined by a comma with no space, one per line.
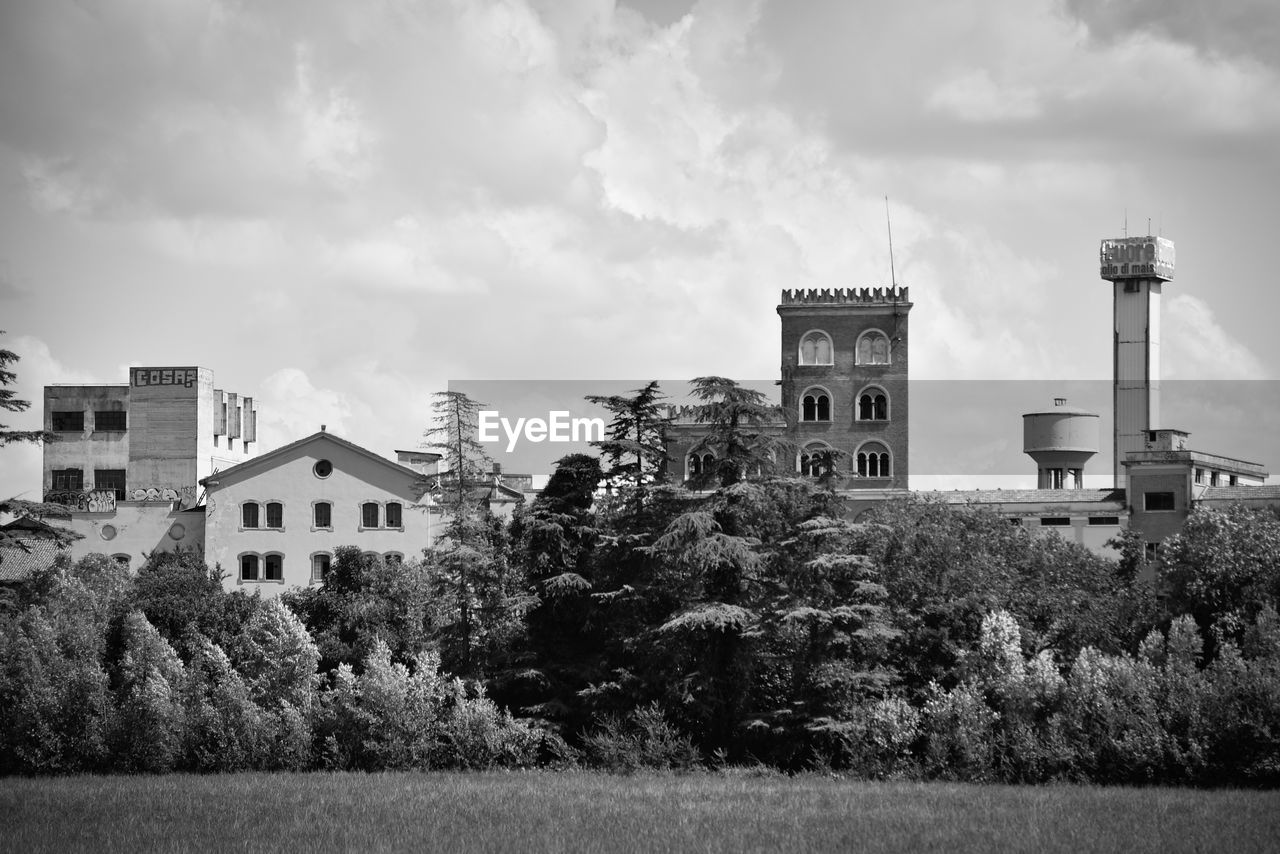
(1137,268)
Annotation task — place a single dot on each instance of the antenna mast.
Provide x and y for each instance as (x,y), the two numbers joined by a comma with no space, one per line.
(893,276)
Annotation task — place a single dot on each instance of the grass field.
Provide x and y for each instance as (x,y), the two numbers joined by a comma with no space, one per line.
(590,812)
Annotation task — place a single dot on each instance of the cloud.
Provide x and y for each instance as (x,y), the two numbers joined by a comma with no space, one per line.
(1195,347)
(1224,30)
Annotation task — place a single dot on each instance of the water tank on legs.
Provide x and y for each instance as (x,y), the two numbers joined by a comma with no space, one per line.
(1061,441)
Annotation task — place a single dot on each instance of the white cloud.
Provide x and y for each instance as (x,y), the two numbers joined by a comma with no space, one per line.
(975,97)
(1195,347)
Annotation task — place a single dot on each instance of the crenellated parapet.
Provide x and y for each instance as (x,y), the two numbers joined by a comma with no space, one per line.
(684,413)
(844,296)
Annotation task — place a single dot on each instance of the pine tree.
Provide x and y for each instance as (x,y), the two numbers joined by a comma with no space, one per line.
(742,430)
(636,445)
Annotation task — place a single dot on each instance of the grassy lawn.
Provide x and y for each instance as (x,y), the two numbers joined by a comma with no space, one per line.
(589,812)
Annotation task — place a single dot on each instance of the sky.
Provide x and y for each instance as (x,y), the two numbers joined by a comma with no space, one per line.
(341,208)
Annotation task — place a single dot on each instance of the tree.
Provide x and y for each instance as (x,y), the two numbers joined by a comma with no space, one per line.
(482,598)
(454,432)
(742,430)
(636,448)
(37,510)
(9,401)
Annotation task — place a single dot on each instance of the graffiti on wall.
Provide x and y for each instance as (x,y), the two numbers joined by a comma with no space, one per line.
(84,501)
(165,376)
(185,496)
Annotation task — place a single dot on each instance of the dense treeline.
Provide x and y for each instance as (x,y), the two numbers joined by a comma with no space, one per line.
(751,622)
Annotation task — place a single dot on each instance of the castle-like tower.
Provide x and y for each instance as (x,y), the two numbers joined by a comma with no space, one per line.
(844,382)
(1137,268)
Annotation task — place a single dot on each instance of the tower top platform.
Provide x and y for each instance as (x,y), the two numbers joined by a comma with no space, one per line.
(1147,257)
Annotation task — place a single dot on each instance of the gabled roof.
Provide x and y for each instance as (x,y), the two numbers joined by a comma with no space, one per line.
(265,461)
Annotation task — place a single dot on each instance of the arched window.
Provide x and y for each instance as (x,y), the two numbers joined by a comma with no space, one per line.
(369,514)
(700,464)
(873,348)
(815,405)
(873,460)
(873,405)
(248,567)
(816,349)
(322,514)
(319,566)
(273,565)
(394,518)
(816,460)
(249,515)
(275,514)
(393,558)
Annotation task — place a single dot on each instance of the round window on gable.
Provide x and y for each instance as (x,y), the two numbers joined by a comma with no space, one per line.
(323,468)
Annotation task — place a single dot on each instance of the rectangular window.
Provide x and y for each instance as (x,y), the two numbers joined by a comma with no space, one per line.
(1104,520)
(1054,521)
(1015,521)
(1213,478)
(70,480)
(1153,551)
(393,515)
(112,479)
(248,567)
(249,515)
(369,515)
(1157,501)
(323,514)
(319,567)
(1233,481)
(109,421)
(1199,475)
(68,422)
(275,515)
(274,568)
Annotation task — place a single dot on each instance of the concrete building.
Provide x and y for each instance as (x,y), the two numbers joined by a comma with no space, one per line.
(151,439)
(276,520)
(128,457)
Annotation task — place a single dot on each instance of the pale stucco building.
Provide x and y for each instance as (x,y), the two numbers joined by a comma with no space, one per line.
(276,520)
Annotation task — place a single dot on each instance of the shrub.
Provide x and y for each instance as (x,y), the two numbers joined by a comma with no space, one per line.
(644,739)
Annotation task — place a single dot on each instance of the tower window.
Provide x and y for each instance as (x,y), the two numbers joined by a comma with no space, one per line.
(1157,501)
(815,406)
(817,460)
(873,405)
(873,348)
(816,349)
(873,461)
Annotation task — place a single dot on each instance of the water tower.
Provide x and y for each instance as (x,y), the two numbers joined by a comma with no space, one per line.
(1061,441)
